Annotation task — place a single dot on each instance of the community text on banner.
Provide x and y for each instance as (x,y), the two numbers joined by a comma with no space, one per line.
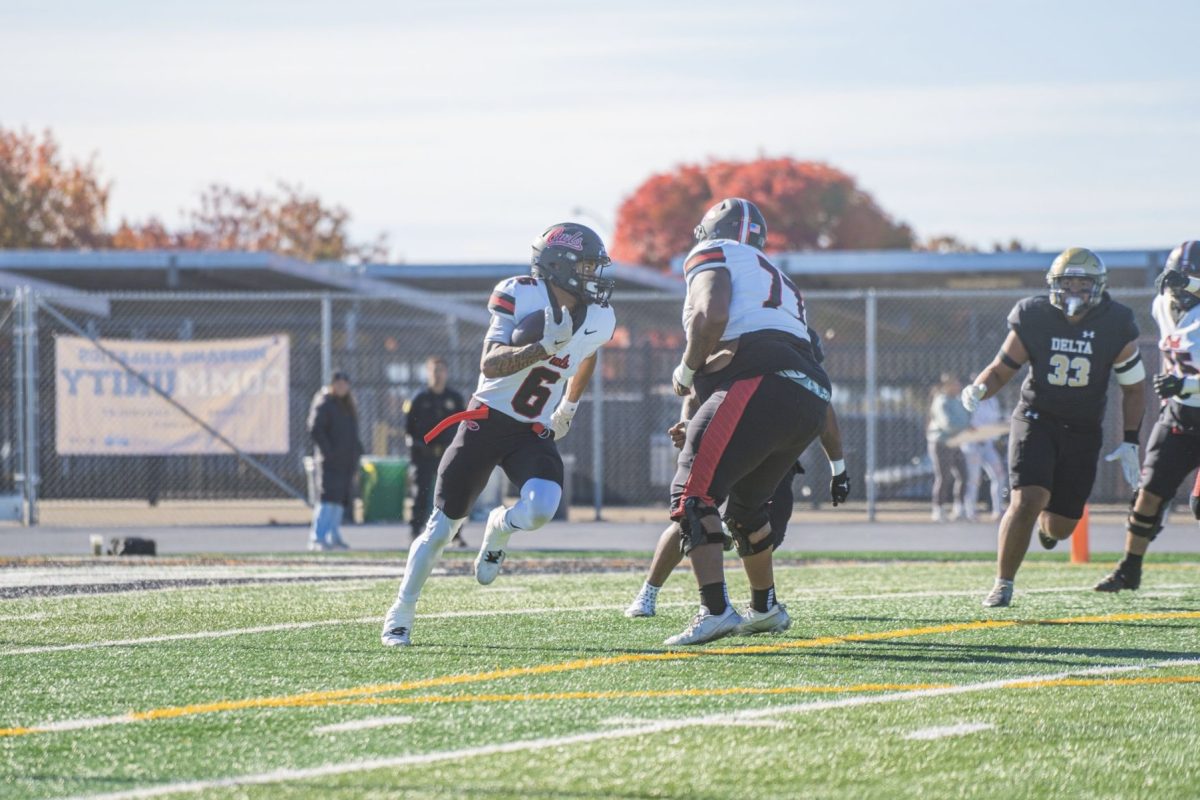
(237,386)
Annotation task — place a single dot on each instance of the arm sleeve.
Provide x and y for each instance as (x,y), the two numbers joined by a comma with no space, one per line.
(501,329)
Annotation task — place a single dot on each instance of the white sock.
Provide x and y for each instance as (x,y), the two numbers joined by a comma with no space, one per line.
(649,590)
(423,554)
(1004,582)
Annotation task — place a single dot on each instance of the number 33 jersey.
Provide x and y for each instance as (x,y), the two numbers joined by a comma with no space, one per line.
(532,394)
(1070,365)
(763,299)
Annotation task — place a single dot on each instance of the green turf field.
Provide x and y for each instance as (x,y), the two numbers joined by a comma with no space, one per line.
(892,682)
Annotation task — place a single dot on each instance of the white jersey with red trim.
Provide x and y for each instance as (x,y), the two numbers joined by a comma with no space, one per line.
(532,394)
(763,298)
(1179,341)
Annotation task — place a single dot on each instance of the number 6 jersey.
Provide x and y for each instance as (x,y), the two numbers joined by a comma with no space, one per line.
(1070,365)
(532,394)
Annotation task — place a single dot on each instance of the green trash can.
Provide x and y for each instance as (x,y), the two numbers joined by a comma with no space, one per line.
(384,484)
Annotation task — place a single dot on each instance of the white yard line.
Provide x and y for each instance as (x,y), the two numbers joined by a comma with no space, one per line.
(363,724)
(289,626)
(533,745)
(946,731)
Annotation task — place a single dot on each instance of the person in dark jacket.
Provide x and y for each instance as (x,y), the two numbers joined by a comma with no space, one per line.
(333,426)
(426,409)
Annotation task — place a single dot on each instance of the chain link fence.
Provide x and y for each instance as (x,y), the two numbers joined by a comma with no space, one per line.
(884,352)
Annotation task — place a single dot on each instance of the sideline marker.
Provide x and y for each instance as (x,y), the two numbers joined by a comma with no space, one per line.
(1080,552)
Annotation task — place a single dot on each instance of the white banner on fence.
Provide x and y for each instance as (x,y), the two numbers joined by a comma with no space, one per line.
(237,386)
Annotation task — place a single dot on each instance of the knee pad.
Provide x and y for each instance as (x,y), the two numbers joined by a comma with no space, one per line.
(691,526)
(539,500)
(440,529)
(745,526)
(1147,526)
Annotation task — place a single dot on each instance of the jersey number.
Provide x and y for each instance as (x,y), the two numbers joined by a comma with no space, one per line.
(1072,372)
(778,281)
(534,391)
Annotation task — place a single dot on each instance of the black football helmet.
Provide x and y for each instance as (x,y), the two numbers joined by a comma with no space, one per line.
(1184,259)
(572,257)
(736,219)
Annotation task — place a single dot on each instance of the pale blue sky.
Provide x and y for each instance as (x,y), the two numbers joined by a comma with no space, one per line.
(463,128)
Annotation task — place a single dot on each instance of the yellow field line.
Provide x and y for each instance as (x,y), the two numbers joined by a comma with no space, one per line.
(317,698)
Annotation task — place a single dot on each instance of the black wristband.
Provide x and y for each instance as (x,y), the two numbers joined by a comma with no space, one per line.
(1131,436)
(1007,360)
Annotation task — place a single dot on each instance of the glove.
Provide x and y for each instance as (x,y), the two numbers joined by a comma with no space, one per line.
(839,488)
(971,396)
(1127,454)
(556,335)
(681,379)
(1167,385)
(560,420)
(1170,279)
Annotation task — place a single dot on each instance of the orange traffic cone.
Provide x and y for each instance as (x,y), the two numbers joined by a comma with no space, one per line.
(1080,552)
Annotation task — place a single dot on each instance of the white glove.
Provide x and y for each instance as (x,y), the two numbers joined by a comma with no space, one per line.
(560,420)
(681,379)
(556,335)
(972,395)
(1127,454)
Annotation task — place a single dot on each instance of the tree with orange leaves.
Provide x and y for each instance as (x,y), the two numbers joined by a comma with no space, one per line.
(46,202)
(808,205)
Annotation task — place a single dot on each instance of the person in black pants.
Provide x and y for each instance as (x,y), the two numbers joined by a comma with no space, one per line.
(426,409)
(333,426)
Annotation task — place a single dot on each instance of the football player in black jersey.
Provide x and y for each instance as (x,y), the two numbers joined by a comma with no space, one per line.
(1173,449)
(1072,339)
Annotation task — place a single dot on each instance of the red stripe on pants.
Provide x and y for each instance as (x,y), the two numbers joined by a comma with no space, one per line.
(716,438)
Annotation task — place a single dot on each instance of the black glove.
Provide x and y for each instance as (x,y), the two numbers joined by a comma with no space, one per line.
(1167,385)
(839,488)
(1170,279)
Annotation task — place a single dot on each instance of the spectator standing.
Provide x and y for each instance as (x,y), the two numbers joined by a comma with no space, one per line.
(426,409)
(333,426)
(947,418)
(984,456)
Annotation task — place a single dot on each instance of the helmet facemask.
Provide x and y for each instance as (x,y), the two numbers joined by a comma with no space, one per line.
(1184,259)
(1074,294)
(1077,281)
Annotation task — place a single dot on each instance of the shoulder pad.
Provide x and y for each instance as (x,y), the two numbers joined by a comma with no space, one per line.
(503,300)
(709,253)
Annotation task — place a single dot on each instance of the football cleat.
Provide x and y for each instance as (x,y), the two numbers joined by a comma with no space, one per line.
(491,550)
(999,597)
(642,606)
(1046,541)
(396,637)
(397,627)
(774,620)
(1119,579)
(706,627)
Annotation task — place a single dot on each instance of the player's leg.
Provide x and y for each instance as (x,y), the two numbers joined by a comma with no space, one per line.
(764,613)
(1033,449)
(997,475)
(1170,456)
(973,456)
(696,493)
(958,470)
(667,555)
(535,465)
(462,475)
(937,461)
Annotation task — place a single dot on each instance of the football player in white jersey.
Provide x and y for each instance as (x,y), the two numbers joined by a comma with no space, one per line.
(757,396)
(525,400)
(1174,447)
